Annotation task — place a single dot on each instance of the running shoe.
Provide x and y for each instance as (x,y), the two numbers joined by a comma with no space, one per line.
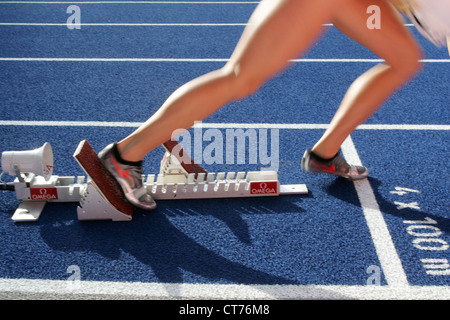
(336,166)
(129,177)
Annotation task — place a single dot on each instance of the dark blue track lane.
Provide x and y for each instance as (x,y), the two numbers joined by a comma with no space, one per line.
(134,90)
(129,13)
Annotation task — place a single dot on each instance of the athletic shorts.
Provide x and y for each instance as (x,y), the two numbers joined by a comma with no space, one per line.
(431,17)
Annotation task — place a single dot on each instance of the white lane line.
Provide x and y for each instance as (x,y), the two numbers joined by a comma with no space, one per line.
(125,24)
(70,124)
(47,24)
(387,254)
(31,59)
(112,60)
(63,289)
(412,127)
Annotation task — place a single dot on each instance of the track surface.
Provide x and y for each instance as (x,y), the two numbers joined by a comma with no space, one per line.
(385,237)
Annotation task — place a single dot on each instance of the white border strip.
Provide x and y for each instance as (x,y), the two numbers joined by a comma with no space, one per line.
(413,127)
(62,289)
(195,60)
(387,254)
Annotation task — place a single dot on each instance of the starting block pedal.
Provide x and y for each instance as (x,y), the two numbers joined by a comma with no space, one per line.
(184,161)
(103,198)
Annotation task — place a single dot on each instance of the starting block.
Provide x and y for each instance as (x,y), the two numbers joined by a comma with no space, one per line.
(35,192)
(103,198)
(174,182)
(100,197)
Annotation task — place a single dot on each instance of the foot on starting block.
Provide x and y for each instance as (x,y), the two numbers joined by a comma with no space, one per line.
(114,207)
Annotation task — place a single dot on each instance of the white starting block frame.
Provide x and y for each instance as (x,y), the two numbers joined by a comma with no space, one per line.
(173,182)
(35,192)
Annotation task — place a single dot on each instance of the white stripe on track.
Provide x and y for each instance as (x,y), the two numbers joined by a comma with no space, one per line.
(43,24)
(30,59)
(72,290)
(112,60)
(125,24)
(387,254)
(412,127)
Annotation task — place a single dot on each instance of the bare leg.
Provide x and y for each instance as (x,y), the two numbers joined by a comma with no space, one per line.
(277,31)
(394,44)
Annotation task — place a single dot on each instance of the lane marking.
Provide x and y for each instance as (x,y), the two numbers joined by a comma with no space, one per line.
(127,24)
(114,124)
(113,59)
(390,261)
(196,60)
(43,24)
(63,289)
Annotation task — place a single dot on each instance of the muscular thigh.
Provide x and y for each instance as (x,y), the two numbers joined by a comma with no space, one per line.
(277,31)
(392,41)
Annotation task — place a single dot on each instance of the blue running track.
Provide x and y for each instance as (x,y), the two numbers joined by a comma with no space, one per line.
(386,237)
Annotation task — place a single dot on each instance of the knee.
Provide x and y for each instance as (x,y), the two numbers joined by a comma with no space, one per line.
(413,63)
(408,64)
(242,82)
